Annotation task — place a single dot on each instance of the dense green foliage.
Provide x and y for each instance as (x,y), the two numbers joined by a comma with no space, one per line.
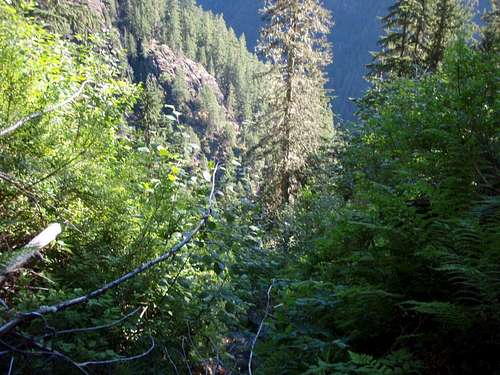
(402,276)
(120,202)
(385,262)
(417,34)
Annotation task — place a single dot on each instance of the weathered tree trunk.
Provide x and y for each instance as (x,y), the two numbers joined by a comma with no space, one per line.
(29,252)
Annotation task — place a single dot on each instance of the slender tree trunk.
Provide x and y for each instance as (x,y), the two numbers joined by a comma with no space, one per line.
(31,251)
(437,47)
(420,29)
(402,67)
(286,182)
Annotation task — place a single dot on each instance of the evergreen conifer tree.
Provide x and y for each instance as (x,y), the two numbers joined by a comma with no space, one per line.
(416,34)
(151,109)
(403,45)
(294,41)
(491,30)
(180,92)
(231,102)
(173,25)
(210,111)
(447,20)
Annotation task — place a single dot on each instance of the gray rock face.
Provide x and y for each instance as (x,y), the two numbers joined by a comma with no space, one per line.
(167,64)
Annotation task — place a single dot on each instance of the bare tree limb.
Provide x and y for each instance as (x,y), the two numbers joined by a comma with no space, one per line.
(30,251)
(119,360)
(4,304)
(5,177)
(171,361)
(49,109)
(45,352)
(52,282)
(92,329)
(44,310)
(260,328)
(11,365)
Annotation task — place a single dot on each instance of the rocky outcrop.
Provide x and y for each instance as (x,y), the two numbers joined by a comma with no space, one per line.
(76,16)
(167,64)
(207,115)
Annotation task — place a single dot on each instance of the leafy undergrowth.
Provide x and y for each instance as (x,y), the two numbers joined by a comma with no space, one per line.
(387,261)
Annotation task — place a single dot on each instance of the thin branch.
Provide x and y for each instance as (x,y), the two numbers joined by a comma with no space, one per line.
(5,177)
(49,109)
(184,357)
(260,328)
(92,329)
(47,326)
(217,354)
(52,282)
(4,304)
(171,361)
(35,198)
(44,310)
(11,365)
(120,360)
(191,340)
(58,169)
(45,352)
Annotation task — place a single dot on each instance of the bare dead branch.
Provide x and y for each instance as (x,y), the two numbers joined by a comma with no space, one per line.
(5,177)
(43,277)
(11,365)
(171,361)
(4,304)
(44,310)
(120,360)
(266,313)
(49,109)
(31,250)
(47,326)
(44,352)
(92,329)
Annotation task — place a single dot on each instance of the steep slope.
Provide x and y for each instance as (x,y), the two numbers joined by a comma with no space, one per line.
(165,63)
(191,53)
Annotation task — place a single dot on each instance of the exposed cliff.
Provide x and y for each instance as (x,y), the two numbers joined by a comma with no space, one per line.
(168,65)
(203,104)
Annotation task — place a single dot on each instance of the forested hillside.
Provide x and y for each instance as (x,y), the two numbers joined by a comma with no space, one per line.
(356,31)
(172,203)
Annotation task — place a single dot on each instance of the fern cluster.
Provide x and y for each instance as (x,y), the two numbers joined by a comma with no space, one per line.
(411,258)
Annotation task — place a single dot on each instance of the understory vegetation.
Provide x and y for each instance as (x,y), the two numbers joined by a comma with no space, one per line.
(214,219)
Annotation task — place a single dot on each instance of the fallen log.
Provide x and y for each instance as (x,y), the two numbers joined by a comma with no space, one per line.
(31,251)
